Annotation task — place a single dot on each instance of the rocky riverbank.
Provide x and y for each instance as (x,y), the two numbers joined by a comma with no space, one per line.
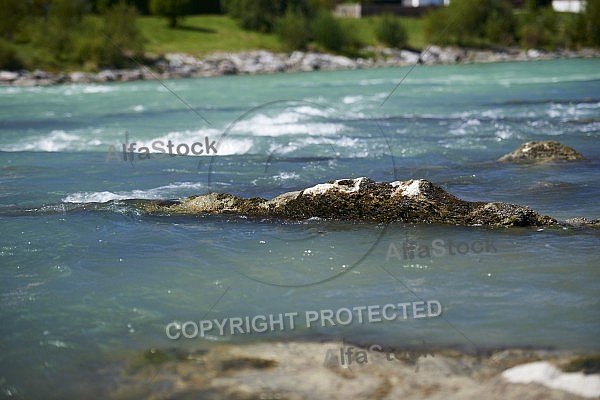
(261,62)
(300,370)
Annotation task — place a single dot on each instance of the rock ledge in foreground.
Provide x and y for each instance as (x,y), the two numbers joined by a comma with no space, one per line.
(542,151)
(362,199)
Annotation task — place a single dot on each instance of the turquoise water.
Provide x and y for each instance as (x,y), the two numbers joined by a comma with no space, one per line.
(87,282)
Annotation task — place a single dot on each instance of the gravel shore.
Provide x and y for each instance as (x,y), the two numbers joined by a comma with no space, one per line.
(176,65)
(296,370)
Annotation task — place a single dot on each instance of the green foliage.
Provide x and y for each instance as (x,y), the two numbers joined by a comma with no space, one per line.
(255,15)
(328,32)
(293,30)
(539,28)
(472,23)
(125,38)
(434,25)
(586,364)
(390,31)
(12,13)
(501,25)
(59,34)
(120,26)
(173,10)
(57,31)
(333,35)
(590,23)
(9,59)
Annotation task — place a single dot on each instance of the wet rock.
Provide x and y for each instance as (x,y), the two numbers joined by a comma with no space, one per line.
(318,61)
(108,76)
(40,74)
(410,57)
(227,67)
(132,75)
(362,199)
(298,370)
(542,151)
(80,77)
(8,76)
(259,62)
(584,222)
(178,65)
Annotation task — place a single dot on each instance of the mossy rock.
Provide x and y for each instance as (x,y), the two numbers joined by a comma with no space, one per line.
(586,364)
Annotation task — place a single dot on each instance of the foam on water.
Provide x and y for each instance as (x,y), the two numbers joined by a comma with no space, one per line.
(175,190)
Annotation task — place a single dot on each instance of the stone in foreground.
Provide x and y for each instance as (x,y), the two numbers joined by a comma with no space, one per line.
(542,151)
(361,199)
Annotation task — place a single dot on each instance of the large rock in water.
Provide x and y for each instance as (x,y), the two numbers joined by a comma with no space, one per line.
(361,199)
(543,151)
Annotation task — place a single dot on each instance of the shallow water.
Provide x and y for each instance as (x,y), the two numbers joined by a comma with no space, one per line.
(85,283)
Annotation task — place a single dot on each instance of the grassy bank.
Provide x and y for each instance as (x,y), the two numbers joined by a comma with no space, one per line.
(203,34)
(199,35)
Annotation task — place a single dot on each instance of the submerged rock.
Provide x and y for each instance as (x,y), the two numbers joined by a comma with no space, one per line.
(542,151)
(361,199)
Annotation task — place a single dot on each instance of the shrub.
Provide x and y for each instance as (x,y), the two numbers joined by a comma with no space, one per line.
(548,29)
(120,26)
(590,21)
(390,31)
(327,31)
(173,10)
(293,30)
(473,22)
(334,35)
(9,60)
(256,15)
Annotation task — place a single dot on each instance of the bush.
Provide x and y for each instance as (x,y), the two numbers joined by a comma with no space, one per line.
(474,23)
(120,26)
(501,26)
(256,15)
(539,28)
(9,60)
(293,30)
(390,31)
(590,21)
(333,35)
(12,13)
(173,10)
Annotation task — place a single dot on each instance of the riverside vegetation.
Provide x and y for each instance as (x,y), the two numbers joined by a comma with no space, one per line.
(59,35)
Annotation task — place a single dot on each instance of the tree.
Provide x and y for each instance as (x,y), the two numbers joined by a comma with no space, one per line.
(334,34)
(11,14)
(390,31)
(474,22)
(125,38)
(293,29)
(255,15)
(591,22)
(173,10)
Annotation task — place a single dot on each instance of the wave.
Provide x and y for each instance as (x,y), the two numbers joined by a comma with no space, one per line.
(55,141)
(174,190)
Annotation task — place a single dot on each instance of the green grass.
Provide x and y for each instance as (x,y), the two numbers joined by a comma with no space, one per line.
(204,34)
(365,27)
(199,35)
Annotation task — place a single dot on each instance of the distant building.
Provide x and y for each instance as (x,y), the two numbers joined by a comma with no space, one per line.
(425,3)
(574,6)
(411,8)
(348,10)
